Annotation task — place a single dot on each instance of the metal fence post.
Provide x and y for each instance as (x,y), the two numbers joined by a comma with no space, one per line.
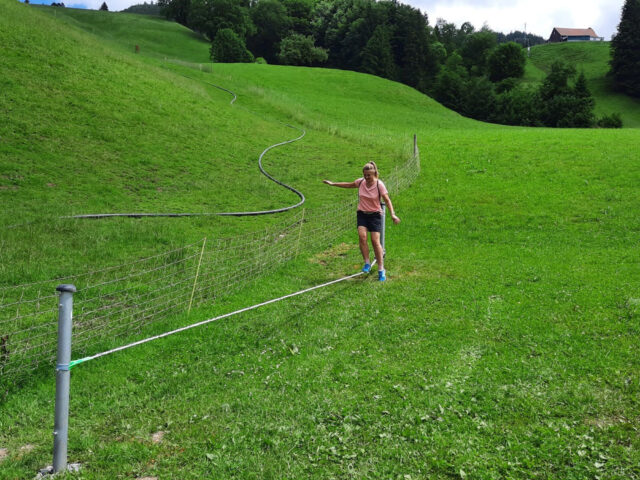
(384,227)
(61,423)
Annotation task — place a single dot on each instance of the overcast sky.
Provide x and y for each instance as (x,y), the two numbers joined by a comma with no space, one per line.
(540,16)
(504,16)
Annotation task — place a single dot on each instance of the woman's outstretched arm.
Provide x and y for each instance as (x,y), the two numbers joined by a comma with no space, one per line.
(341,184)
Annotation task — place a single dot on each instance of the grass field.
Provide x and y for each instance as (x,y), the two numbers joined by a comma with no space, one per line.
(503,345)
(593,59)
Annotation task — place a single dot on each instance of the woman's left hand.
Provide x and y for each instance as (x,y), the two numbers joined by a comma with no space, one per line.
(395,219)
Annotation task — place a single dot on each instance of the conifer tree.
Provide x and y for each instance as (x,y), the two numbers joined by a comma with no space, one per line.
(377,57)
(104,7)
(625,50)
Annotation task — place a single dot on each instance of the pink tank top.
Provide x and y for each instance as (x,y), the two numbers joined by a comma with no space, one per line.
(369,197)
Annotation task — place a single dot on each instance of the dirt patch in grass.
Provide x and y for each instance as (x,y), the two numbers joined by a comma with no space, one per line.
(606,422)
(26,449)
(337,251)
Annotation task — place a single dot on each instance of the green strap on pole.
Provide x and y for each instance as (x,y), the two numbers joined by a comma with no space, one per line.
(73,363)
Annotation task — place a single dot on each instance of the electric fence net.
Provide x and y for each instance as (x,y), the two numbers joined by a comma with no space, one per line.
(116,304)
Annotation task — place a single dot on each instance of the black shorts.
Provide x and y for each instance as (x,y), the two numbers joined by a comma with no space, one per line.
(372,221)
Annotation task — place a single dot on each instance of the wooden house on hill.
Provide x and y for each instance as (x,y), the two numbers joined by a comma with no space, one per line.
(574,35)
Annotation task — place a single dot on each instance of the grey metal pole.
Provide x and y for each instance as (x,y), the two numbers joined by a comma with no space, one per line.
(61,422)
(384,227)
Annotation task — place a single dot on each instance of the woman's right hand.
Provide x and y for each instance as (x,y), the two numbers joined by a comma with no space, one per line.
(328,182)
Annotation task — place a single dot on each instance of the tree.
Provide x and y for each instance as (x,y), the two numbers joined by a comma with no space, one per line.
(350,28)
(448,35)
(377,58)
(299,49)
(449,88)
(507,60)
(557,81)
(104,7)
(625,50)
(209,16)
(563,105)
(177,10)
(583,111)
(300,13)
(228,47)
(417,63)
(272,25)
(479,99)
(475,51)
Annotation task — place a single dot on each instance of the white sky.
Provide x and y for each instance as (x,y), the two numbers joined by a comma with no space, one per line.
(541,16)
(501,15)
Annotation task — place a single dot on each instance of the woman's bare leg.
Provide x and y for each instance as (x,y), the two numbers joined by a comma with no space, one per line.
(377,248)
(364,246)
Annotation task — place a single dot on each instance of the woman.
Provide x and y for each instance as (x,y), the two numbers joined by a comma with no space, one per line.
(370,191)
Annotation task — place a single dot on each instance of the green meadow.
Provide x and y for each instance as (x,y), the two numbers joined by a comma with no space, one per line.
(504,343)
(592,58)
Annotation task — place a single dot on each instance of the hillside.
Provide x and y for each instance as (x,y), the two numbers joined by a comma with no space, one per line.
(154,36)
(86,104)
(593,59)
(503,344)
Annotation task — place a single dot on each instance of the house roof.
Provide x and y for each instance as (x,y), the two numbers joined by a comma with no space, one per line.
(576,32)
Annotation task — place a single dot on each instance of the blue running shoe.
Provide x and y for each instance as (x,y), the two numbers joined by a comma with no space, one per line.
(366,268)
(381,276)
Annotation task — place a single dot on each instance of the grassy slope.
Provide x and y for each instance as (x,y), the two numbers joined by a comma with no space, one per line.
(504,344)
(154,35)
(83,109)
(593,59)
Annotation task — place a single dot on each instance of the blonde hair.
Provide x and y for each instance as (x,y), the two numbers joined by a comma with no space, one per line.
(369,166)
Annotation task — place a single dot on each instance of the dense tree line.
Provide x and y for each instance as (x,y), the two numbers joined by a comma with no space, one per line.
(472,72)
(522,38)
(144,9)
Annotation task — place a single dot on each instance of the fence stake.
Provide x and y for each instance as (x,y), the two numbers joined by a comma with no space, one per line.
(61,422)
(300,233)
(195,280)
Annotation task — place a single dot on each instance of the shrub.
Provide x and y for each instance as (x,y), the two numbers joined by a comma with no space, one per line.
(228,47)
(299,49)
(610,121)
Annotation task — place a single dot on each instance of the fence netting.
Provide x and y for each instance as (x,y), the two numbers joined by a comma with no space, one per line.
(117,303)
